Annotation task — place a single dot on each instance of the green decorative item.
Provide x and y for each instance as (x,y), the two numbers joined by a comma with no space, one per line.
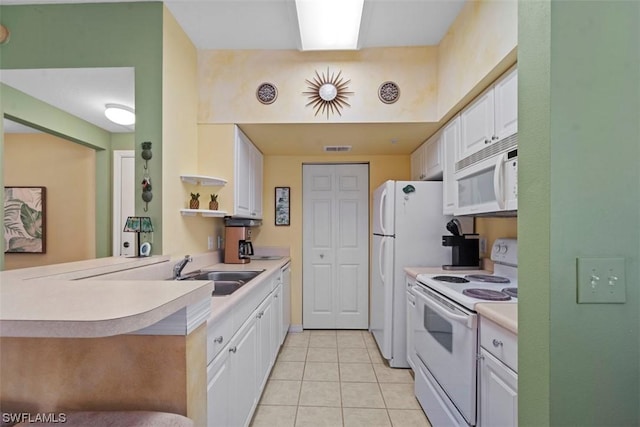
(194,203)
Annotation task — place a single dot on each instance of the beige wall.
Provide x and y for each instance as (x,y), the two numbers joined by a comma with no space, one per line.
(493,228)
(434,81)
(68,171)
(181,235)
(479,46)
(228,81)
(287,171)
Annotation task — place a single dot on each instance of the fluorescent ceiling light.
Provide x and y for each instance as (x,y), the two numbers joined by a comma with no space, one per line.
(120,114)
(329,24)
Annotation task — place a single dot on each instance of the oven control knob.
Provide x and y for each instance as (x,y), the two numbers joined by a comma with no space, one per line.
(504,249)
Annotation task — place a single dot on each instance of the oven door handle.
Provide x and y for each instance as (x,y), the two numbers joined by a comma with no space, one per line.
(466,320)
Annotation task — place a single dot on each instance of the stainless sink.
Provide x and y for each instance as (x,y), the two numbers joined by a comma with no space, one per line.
(266,257)
(243,276)
(226,287)
(226,282)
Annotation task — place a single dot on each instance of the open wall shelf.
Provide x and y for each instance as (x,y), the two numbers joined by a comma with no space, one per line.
(203,180)
(203,212)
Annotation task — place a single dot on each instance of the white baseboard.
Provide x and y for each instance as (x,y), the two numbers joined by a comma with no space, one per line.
(295,328)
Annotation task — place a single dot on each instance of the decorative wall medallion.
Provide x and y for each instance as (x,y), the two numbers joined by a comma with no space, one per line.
(267,93)
(4,34)
(388,92)
(328,93)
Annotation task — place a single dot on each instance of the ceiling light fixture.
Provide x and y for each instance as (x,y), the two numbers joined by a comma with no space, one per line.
(329,24)
(120,114)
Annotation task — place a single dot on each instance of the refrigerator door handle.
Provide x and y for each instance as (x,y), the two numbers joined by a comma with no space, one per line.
(383,202)
(380,255)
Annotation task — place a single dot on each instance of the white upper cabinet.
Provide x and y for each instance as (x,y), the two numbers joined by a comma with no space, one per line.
(248,178)
(433,158)
(491,117)
(476,125)
(450,141)
(417,164)
(426,161)
(506,102)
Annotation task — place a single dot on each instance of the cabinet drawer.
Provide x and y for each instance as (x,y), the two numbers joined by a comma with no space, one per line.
(500,342)
(218,335)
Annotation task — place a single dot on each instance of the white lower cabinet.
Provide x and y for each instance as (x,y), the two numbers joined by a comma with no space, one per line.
(264,320)
(498,394)
(411,303)
(285,280)
(278,313)
(243,360)
(219,389)
(232,377)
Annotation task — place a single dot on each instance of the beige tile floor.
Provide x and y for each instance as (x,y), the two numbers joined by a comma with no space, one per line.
(336,378)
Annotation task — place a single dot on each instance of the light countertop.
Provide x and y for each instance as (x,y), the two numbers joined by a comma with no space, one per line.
(505,315)
(73,301)
(50,301)
(414,271)
(223,304)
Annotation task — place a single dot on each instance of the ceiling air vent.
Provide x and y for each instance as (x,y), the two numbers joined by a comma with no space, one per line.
(337,148)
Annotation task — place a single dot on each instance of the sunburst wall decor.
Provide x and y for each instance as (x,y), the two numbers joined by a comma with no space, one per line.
(328,93)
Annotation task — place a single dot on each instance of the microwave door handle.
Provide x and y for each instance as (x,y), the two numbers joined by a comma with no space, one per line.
(497,181)
(464,319)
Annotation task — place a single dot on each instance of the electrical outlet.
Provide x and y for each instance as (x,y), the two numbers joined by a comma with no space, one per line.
(483,245)
(210,242)
(601,280)
(219,241)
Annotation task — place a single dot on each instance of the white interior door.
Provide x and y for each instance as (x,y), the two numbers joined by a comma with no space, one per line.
(123,201)
(335,289)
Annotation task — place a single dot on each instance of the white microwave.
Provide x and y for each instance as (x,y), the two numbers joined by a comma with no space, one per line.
(489,186)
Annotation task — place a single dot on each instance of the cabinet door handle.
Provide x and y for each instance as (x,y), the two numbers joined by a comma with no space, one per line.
(486,141)
(219,339)
(233,349)
(494,137)
(497,343)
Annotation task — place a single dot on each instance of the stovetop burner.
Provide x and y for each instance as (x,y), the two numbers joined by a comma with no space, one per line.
(512,292)
(486,294)
(450,279)
(487,278)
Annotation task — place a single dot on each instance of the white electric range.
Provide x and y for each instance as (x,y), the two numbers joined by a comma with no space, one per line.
(445,334)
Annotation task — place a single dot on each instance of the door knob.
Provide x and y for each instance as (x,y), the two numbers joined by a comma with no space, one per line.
(126,244)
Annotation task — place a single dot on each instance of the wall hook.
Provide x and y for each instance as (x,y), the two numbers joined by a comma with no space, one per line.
(147,195)
(146,153)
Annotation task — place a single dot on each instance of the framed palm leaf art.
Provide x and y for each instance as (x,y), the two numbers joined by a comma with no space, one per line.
(25,220)
(282,206)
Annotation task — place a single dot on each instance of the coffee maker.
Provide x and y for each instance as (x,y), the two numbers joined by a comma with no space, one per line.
(237,245)
(465,248)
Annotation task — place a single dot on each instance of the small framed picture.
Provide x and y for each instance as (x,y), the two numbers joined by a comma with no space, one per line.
(282,206)
(25,220)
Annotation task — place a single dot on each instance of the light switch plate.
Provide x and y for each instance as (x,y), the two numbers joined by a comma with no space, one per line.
(601,281)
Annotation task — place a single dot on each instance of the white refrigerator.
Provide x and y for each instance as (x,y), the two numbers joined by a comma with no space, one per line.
(408,226)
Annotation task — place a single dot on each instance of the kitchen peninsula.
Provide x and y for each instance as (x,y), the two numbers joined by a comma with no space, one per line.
(108,334)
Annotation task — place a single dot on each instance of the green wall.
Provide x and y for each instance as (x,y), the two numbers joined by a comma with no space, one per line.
(99,35)
(579,137)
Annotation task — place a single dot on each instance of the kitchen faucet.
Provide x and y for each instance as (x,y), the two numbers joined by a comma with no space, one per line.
(177,269)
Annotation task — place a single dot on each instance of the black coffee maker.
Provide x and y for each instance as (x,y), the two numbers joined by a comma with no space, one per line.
(465,248)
